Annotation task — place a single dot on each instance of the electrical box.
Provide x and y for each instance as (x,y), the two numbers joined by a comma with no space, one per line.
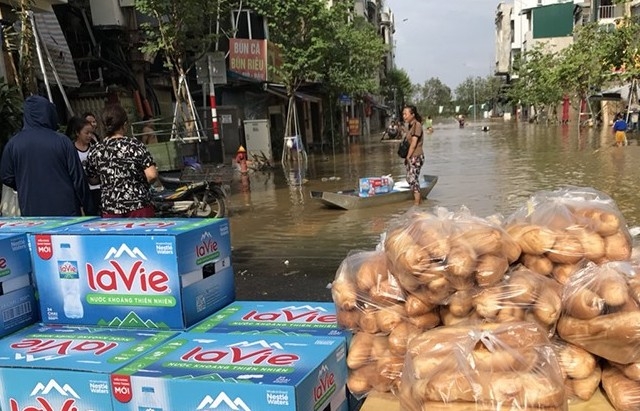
(258,138)
(107,13)
(127,3)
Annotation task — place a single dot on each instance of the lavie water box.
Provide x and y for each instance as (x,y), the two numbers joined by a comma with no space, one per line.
(29,225)
(274,317)
(67,369)
(216,372)
(134,273)
(18,307)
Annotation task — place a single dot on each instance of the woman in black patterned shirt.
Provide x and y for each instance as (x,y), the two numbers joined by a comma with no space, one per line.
(123,167)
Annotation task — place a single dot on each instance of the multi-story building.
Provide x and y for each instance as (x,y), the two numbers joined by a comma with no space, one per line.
(523,24)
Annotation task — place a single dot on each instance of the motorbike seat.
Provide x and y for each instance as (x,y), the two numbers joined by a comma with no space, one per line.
(170,180)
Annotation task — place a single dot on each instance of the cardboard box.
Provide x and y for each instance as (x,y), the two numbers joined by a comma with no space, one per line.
(134,273)
(274,317)
(18,307)
(65,368)
(370,186)
(196,371)
(28,225)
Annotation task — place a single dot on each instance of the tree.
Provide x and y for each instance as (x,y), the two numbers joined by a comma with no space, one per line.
(354,54)
(397,88)
(432,94)
(538,82)
(298,29)
(183,31)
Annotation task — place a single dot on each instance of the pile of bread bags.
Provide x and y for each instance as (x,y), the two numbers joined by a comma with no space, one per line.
(525,313)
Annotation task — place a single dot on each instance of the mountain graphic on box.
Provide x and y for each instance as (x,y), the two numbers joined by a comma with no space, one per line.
(132,320)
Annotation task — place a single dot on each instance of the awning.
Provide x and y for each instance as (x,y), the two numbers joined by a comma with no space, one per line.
(617,93)
(55,43)
(281,91)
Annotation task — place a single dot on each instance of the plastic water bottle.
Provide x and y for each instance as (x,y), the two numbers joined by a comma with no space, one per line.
(148,401)
(70,281)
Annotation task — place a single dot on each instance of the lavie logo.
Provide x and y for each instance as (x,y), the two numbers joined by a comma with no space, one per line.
(64,390)
(43,405)
(124,249)
(222,401)
(304,313)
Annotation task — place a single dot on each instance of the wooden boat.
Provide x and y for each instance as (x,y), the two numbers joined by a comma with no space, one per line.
(350,200)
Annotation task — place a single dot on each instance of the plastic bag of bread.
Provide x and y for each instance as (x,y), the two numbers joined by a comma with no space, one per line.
(623,392)
(433,255)
(366,295)
(523,295)
(491,366)
(600,312)
(558,229)
(580,370)
(372,364)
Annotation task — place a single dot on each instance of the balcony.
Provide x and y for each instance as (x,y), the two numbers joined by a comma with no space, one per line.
(610,12)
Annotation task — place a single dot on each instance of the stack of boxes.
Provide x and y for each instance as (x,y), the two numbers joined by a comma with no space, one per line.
(140,315)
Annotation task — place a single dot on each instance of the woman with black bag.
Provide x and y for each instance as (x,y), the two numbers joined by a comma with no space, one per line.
(415,156)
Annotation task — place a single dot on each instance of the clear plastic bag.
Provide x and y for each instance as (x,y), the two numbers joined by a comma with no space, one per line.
(580,369)
(601,311)
(623,392)
(482,366)
(558,229)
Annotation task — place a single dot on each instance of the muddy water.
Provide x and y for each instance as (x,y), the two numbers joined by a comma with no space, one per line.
(286,246)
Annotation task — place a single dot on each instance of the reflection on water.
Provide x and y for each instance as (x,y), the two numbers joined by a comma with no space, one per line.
(286,245)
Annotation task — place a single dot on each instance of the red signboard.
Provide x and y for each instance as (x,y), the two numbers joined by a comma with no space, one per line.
(248,57)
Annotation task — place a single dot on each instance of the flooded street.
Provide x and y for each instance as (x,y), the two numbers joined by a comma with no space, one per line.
(287,246)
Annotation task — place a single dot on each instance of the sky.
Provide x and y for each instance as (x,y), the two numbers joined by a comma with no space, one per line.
(447,39)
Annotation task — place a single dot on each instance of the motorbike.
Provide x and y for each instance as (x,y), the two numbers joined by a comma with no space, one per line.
(178,198)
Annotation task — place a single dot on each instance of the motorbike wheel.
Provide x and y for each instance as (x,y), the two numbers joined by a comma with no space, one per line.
(212,204)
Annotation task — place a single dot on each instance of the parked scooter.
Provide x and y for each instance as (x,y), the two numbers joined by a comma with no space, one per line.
(192,199)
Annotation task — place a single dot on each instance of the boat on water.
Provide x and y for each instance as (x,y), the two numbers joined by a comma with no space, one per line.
(351,200)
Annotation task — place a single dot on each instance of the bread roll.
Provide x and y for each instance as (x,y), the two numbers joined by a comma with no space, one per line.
(417,303)
(461,261)
(348,319)
(567,249)
(490,270)
(360,350)
(533,239)
(611,286)
(592,244)
(548,306)
(400,336)
(631,371)
(360,380)
(523,286)
(368,321)
(426,321)
(615,337)
(538,264)
(483,239)
(575,362)
(489,301)
(389,317)
(344,294)
(461,303)
(623,393)
(563,272)
(583,304)
(585,388)
(617,247)
(371,271)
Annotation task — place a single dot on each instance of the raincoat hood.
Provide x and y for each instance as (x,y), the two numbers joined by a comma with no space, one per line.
(39,113)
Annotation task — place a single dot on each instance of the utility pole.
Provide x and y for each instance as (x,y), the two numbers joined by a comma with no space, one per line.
(395,104)
(474,99)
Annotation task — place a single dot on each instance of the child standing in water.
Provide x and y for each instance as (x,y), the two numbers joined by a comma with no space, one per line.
(619,130)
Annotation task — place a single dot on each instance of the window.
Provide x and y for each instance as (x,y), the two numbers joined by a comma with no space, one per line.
(248,25)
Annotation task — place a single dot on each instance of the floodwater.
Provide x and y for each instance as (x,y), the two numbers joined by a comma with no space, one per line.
(287,246)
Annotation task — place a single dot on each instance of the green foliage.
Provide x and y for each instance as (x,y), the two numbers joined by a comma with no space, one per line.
(298,29)
(10,111)
(538,80)
(320,43)
(432,94)
(180,28)
(398,80)
(484,91)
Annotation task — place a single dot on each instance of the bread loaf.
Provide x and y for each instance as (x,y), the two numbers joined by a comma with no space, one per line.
(623,393)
